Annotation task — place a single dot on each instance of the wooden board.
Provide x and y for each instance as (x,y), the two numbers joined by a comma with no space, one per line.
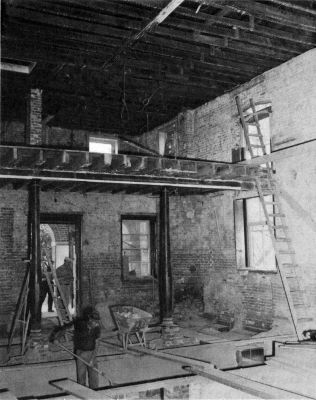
(247,385)
(74,388)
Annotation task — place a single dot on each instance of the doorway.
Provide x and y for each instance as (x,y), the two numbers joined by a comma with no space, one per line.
(60,248)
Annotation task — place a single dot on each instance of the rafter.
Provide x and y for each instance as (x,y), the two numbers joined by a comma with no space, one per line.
(276,15)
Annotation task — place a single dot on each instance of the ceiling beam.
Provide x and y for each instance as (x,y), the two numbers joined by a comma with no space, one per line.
(272,14)
(164,13)
(158,54)
(293,6)
(173,34)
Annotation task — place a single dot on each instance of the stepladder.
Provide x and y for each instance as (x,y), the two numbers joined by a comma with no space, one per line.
(270,198)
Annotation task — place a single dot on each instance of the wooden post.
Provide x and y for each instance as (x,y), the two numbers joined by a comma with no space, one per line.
(165,274)
(35,268)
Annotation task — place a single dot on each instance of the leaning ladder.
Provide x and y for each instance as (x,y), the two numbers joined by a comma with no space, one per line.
(285,254)
(63,313)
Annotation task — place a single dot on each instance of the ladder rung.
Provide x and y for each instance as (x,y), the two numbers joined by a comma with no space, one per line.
(259,112)
(283,240)
(279,227)
(286,251)
(276,215)
(253,134)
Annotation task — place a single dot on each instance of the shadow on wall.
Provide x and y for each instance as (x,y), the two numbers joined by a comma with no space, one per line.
(222,297)
(299,210)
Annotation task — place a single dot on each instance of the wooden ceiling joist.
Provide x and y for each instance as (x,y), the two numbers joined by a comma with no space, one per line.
(164,13)
(200,51)
(223,38)
(273,14)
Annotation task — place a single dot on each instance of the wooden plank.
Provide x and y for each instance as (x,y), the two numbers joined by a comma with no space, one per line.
(183,361)
(247,385)
(74,388)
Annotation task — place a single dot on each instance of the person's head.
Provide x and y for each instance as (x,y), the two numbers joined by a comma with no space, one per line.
(67,260)
(90,313)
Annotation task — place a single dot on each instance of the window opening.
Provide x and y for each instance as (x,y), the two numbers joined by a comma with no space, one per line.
(103,145)
(137,247)
(254,246)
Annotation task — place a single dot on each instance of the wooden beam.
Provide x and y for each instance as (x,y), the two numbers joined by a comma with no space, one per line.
(132,11)
(293,151)
(276,15)
(74,388)
(22,69)
(173,52)
(294,6)
(254,388)
(172,31)
(164,13)
(180,360)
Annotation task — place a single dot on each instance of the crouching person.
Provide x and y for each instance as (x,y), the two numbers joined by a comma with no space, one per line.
(86,333)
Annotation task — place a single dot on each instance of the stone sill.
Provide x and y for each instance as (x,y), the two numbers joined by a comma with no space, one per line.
(146,280)
(245,271)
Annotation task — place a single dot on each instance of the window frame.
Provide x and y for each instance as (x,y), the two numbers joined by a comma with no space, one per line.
(153,247)
(242,240)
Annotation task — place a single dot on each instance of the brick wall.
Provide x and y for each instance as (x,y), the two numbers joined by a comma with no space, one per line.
(34,117)
(211,132)
(101,244)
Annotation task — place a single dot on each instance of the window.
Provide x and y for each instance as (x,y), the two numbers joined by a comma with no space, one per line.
(102,145)
(138,252)
(254,247)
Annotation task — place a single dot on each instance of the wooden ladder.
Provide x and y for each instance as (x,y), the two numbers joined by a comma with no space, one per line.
(276,220)
(63,314)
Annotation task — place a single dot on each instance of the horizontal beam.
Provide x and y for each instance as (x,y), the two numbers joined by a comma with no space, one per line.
(82,166)
(293,151)
(218,185)
(272,14)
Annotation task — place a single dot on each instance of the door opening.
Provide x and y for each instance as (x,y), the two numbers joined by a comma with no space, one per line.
(60,265)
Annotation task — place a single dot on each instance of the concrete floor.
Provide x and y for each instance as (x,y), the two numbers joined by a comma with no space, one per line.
(217,348)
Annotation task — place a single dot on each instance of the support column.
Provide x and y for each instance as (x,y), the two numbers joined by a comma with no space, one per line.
(165,273)
(171,334)
(35,253)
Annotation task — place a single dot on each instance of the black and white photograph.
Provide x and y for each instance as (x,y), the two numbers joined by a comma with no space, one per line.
(158,199)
